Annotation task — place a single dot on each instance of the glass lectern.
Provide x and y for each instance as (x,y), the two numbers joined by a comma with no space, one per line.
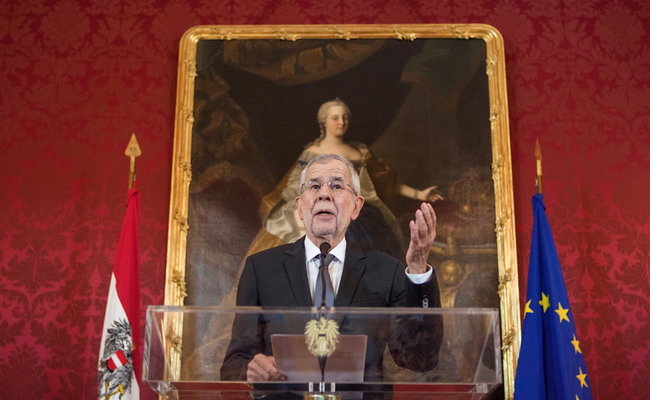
(410,353)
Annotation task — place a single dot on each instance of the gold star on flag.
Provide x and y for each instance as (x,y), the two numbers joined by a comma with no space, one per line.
(576,344)
(528,309)
(577,398)
(562,313)
(544,302)
(582,377)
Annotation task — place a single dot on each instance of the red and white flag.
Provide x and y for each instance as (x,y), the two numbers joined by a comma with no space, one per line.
(119,366)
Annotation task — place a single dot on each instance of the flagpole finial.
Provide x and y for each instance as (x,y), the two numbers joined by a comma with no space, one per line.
(538,157)
(132,151)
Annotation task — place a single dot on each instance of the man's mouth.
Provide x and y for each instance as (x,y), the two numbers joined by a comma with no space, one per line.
(325,213)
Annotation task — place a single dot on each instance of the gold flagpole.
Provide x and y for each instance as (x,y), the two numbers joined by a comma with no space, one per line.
(538,156)
(133,151)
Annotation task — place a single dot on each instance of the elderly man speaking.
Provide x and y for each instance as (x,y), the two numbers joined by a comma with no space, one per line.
(286,276)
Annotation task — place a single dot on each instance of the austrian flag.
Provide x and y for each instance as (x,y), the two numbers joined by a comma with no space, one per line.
(118,354)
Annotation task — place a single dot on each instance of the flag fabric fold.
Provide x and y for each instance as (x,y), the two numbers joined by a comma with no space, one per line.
(551,364)
(119,367)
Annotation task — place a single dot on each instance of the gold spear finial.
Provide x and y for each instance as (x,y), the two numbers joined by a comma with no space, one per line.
(133,151)
(538,156)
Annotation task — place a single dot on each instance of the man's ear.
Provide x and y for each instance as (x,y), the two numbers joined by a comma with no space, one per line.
(299,206)
(358,204)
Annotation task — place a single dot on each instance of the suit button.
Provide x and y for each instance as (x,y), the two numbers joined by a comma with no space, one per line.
(425,303)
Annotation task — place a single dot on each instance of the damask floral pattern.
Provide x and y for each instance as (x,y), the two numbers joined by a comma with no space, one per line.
(78,77)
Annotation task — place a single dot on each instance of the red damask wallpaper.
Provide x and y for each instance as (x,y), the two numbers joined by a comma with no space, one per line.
(78,77)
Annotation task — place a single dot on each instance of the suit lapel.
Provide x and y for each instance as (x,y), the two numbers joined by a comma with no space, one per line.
(352,273)
(295,267)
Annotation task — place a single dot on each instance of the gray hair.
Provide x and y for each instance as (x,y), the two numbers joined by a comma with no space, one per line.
(324,159)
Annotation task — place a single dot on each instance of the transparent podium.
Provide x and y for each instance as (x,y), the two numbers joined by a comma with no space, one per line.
(355,353)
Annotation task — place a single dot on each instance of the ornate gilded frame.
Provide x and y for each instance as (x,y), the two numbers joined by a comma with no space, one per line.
(175,284)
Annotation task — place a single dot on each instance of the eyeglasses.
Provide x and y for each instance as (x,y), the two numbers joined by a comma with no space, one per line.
(336,187)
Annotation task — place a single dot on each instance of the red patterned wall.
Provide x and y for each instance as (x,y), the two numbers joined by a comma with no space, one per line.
(78,77)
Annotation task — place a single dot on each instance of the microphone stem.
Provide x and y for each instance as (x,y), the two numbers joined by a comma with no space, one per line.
(324,249)
(322,279)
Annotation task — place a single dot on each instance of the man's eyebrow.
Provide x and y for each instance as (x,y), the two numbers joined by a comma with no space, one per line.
(333,178)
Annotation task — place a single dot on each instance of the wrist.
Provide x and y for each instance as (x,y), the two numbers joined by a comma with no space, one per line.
(417,269)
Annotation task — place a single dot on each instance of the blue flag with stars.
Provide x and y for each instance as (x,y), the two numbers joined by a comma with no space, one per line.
(551,365)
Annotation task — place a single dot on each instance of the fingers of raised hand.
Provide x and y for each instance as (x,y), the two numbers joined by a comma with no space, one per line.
(425,221)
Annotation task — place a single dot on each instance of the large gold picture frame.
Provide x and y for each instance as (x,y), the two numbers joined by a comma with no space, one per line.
(427,100)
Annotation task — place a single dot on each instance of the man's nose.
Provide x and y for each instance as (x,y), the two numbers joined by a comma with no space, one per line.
(325,192)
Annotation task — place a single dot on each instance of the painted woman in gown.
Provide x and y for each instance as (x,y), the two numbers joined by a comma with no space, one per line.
(376,228)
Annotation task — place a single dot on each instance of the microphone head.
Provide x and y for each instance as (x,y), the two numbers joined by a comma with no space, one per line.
(325,248)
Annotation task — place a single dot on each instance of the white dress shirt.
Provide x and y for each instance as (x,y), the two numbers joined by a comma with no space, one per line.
(336,266)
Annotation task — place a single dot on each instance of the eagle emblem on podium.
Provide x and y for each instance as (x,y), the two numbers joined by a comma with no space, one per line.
(322,335)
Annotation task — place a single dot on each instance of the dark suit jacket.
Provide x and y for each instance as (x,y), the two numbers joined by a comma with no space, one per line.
(278,278)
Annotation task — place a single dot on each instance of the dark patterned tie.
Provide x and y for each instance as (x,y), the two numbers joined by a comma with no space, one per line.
(329,288)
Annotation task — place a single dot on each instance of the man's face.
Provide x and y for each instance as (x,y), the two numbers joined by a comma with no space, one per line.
(327,213)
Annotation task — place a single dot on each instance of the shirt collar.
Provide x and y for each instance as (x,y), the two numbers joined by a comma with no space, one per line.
(311,250)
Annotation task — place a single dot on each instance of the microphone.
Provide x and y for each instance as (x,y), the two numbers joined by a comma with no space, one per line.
(322,360)
(324,249)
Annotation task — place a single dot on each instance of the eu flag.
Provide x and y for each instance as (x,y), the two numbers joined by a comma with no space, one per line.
(551,365)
